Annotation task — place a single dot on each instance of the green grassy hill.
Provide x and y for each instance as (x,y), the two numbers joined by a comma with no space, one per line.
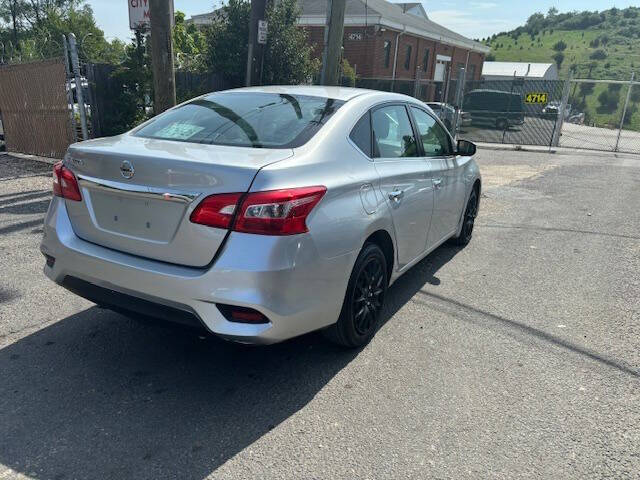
(600,45)
(597,45)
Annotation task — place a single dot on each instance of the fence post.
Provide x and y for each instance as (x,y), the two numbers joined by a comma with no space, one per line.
(75,65)
(96,126)
(68,87)
(624,111)
(462,77)
(563,106)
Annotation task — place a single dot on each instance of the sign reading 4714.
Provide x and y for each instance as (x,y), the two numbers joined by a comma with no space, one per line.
(536,97)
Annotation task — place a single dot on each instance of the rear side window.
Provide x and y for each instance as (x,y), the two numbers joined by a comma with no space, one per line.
(361,134)
(244,119)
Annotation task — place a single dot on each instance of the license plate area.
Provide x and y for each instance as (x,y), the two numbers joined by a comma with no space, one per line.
(139,217)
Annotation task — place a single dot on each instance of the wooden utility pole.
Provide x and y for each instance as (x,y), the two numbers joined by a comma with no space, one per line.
(255,51)
(164,81)
(333,33)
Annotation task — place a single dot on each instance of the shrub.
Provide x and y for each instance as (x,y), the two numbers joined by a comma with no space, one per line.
(560,46)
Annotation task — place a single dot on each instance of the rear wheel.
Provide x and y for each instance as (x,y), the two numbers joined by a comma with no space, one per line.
(363,300)
(468,220)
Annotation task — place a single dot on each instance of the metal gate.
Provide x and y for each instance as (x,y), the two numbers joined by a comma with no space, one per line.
(34,109)
(603,115)
(519,111)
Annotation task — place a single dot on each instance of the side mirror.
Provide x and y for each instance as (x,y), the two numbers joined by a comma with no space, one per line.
(466,148)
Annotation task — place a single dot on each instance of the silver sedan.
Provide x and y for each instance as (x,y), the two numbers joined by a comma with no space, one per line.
(261,214)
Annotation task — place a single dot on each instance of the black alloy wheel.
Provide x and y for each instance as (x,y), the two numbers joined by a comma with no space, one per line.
(469,219)
(364,300)
(368,295)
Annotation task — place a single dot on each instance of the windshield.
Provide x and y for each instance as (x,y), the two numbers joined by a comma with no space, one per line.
(244,119)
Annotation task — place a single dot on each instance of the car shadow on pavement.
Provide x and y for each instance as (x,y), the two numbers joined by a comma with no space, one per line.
(96,395)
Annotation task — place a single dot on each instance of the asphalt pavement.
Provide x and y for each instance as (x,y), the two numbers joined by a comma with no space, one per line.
(516,357)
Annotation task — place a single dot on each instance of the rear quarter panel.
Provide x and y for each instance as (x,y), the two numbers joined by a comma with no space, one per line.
(352,208)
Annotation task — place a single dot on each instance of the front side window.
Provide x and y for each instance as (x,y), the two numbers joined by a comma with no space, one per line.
(392,133)
(407,58)
(244,119)
(387,53)
(435,141)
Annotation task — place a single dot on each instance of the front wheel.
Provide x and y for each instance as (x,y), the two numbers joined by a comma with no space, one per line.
(468,220)
(363,300)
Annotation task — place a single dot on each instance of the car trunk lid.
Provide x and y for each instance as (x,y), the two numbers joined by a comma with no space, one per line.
(138,193)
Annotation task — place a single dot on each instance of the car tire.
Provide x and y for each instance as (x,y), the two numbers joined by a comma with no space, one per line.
(363,301)
(502,124)
(468,220)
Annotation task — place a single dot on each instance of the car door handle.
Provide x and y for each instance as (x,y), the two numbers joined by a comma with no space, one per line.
(396,195)
(437,183)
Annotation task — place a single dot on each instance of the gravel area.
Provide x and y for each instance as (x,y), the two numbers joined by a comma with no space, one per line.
(516,357)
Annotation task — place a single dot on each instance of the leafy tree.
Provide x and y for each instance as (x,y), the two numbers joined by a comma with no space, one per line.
(560,46)
(586,89)
(133,82)
(227,41)
(287,56)
(608,100)
(12,12)
(45,21)
(598,55)
(189,45)
(559,58)
(348,74)
(92,46)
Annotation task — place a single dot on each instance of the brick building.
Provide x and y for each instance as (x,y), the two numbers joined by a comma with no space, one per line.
(395,41)
(392,41)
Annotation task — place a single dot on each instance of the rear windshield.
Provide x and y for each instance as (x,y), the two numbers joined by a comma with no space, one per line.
(244,119)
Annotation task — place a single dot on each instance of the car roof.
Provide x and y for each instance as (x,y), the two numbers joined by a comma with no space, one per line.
(338,93)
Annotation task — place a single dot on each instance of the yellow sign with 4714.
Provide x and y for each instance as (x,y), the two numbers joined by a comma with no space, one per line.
(536,97)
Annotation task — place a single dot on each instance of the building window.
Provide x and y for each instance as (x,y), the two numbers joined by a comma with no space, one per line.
(387,53)
(425,60)
(471,75)
(407,58)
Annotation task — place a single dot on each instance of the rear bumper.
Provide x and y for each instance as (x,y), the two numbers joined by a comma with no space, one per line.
(285,278)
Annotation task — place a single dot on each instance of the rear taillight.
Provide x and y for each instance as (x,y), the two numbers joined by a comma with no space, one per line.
(274,212)
(65,184)
(216,210)
(278,212)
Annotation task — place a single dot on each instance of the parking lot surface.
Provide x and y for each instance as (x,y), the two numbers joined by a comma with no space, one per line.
(516,357)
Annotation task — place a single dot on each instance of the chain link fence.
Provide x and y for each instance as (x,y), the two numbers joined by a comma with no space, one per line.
(603,115)
(587,114)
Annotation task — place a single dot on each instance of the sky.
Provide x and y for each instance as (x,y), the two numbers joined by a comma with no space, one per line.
(474,19)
